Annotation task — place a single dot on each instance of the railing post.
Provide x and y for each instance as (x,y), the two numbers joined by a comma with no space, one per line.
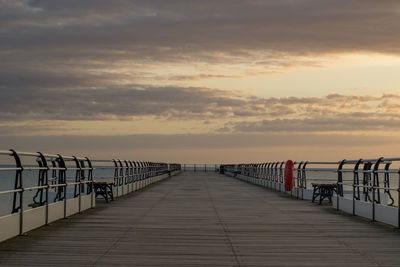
(63,178)
(366,180)
(131,181)
(339,183)
(375,187)
(205,167)
(304,175)
(43,164)
(141,166)
(127,175)
(356,184)
(303,179)
(386,183)
(18,186)
(373,202)
(116,174)
(78,180)
(136,175)
(121,176)
(195,167)
(90,178)
(299,179)
(21,213)
(398,201)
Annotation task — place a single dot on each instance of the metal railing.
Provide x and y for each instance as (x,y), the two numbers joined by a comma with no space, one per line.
(200,167)
(54,178)
(375,181)
(274,171)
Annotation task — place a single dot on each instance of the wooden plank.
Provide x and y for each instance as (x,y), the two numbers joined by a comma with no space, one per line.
(206,219)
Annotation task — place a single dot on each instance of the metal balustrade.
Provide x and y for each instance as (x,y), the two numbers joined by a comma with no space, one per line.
(65,184)
(371,186)
(202,167)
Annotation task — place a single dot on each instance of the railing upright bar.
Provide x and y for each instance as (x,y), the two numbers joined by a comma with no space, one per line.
(79,180)
(43,162)
(19,185)
(90,178)
(63,177)
(398,200)
(121,177)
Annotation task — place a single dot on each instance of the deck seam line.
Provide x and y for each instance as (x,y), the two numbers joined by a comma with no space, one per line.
(133,227)
(313,226)
(236,256)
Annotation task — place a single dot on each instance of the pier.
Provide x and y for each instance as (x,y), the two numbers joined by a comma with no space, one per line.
(135,213)
(206,219)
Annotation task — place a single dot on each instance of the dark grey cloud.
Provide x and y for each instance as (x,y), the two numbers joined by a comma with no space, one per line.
(118,103)
(198,28)
(77,43)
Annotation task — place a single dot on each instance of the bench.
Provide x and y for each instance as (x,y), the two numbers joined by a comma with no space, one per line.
(104,189)
(235,173)
(323,191)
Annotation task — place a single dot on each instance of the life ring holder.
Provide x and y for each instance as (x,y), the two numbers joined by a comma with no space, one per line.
(289,175)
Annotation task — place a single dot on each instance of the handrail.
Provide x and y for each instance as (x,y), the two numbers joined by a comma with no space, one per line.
(366,180)
(200,167)
(60,167)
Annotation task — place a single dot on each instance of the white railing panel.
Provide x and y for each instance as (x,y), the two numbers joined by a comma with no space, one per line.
(34,218)
(9,226)
(56,211)
(72,206)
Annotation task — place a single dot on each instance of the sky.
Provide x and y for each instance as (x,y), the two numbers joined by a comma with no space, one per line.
(210,81)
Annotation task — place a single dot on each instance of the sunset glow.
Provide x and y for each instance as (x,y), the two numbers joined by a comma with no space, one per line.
(208,81)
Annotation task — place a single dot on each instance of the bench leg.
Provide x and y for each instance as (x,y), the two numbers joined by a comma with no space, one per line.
(330,194)
(110,192)
(322,195)
(315,193)
(105,194)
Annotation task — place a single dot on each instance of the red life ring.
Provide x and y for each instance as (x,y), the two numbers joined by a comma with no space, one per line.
(289,175)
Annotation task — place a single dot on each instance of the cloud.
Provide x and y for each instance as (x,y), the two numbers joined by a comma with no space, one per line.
(201,30)
(232,111)
(200,77)
(336,124)
(86,60)
(121,103)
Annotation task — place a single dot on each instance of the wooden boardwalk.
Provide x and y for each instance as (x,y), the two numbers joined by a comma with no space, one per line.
(198,219)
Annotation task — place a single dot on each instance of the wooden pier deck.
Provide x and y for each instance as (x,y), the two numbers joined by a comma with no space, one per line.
(206,219)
